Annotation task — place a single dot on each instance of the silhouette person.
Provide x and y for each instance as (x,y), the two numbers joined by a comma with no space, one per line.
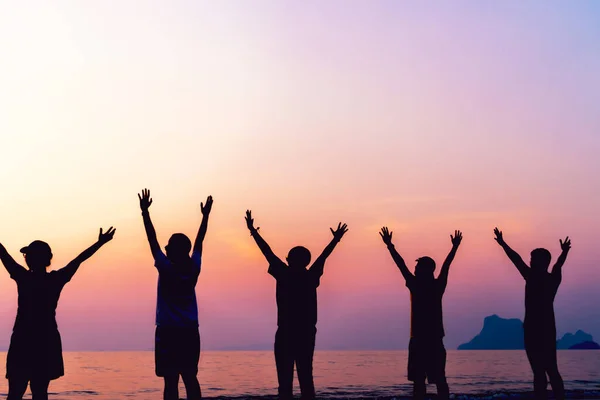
(177,337)
(426,351)
(296,294)
(539,325)
(35,352)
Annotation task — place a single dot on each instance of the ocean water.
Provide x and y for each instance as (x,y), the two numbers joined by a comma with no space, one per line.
(338,374)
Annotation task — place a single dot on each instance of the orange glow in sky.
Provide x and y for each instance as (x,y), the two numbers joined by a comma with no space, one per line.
(371,114)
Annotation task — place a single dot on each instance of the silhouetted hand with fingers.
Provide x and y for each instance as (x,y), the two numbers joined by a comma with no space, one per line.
(205,208)
(499,238)
(566,245)
(456,239)
(386,235)
(339,232)
(145,200)
(250,221)
(106,236)
(262,244)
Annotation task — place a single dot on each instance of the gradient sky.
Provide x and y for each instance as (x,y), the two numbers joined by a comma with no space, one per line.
(426,117)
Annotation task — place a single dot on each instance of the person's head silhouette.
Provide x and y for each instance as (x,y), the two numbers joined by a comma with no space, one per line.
(540,260)
(38,255)
(424,268)
(298,257)
(179,247)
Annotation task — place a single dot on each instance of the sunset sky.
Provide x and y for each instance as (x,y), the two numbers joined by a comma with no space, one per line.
(422,116)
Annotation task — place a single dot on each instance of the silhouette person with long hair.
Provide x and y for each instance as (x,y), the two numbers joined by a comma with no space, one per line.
(177,336)
(426,351)
(539,325)
(296,294)
(35,352)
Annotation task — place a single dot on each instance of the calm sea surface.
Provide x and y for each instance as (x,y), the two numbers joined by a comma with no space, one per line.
(346,374)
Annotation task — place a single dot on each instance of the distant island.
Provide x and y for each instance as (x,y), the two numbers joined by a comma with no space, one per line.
(585,346)
(507,334)
(569,340)
(497,334)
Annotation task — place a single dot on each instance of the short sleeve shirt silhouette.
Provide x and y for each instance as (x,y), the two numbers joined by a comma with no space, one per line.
(540,291)
(426,319)
(38,298)
(176,296)
(296,294)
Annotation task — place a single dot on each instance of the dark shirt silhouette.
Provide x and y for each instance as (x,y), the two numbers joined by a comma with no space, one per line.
(176,303)
(296,295)
(177,336)
(426,351)
(38,298)
(539,325)
(540,291)
(35,352)
(426,319)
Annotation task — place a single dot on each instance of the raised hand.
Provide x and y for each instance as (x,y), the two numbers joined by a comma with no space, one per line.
(456,239)
(145,200)
(386,235)
(205,208)
(499,238)
(566,245)
(339,232)
(106,236)
(250,220)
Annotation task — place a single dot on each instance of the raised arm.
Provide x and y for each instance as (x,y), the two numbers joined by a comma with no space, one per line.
(386,236)
(145,202)
(103,238)
(512,255)
(565,246)
(456,240)
(319,264)
(262,245)
(10,264)
(205,208)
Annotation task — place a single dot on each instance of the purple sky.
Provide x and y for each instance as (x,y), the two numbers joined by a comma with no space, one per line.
(423,116)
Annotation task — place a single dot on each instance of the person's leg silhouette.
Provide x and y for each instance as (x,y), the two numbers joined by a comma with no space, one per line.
(17,388)
(39,389)
(192,386)
(417,368)
(436,369)
(171,387)
(419,390)
(558,387)
(443,391)
(189,357)
(540,382)
(535,349)
(556,381)
(304,363)
(284,361)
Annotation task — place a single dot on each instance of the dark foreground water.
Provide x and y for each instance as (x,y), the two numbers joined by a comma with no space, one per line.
(338,375)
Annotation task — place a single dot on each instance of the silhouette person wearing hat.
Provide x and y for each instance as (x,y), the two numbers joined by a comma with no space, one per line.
(296,295)
(35,352)
(426,351)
